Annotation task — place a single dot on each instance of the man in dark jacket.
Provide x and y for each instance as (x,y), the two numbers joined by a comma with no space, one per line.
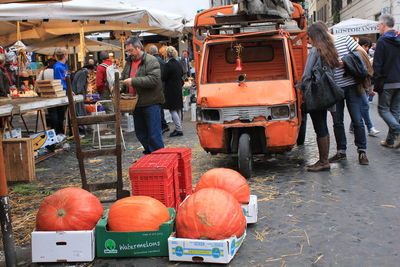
(142,75)
(185,62)
(79,87)
(387,79)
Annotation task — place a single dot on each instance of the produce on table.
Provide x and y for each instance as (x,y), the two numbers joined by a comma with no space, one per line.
(69,209)
(137,213)
(210,213)
(228,180)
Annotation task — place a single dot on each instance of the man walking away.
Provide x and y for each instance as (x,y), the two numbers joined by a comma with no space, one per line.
(387,79)
(142,75)
(102,86)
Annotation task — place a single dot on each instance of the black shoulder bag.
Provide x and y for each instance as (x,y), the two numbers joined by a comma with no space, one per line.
(323,91)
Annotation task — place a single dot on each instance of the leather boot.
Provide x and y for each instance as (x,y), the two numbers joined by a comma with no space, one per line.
(323,163)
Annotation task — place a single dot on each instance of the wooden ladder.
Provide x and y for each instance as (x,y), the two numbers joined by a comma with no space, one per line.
(84,154)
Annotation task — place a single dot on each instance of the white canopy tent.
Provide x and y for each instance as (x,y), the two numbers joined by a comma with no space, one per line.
(42,20)
(71,43)
(355,26)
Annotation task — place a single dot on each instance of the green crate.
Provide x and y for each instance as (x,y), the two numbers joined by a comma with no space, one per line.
(133,244)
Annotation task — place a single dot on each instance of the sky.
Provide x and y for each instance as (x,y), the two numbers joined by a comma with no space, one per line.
(187,8)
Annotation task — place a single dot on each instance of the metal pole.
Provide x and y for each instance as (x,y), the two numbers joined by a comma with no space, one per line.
(5,216)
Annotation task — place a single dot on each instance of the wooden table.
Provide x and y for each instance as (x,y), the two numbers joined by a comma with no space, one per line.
(18,106)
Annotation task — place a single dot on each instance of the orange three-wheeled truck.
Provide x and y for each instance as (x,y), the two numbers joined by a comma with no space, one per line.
(247,67)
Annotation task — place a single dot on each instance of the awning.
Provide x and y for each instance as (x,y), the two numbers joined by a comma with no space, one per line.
(39,20)
(355,26)
(71,43)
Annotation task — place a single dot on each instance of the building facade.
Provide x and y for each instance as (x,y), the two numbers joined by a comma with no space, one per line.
(334,11)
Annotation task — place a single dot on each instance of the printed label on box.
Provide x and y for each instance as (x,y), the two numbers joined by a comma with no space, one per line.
(133,244)
(44,139)
(251,210)
(213,251)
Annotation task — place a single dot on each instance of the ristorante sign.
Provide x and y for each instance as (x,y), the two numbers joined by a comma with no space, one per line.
(355,30)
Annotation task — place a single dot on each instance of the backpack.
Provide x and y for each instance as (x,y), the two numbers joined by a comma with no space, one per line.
(110,74)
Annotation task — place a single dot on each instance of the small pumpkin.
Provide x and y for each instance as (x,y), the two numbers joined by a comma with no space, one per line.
(69,209)
(210,213)
(226,179)
(137,213)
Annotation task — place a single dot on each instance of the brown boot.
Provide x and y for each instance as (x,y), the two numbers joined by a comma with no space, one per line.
(323,163)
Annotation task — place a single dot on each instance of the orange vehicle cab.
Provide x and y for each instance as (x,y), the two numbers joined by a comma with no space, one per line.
(247,68)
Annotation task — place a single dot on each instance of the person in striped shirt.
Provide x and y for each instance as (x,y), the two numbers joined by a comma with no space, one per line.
(344,44)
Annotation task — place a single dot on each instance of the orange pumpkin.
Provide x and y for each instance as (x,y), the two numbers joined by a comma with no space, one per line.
(69,209)
(228,180)
(210,213)
(137,213)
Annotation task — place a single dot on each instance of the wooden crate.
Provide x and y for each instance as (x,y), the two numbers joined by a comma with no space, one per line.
(19,160)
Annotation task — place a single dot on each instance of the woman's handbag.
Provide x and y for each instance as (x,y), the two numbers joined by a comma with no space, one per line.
(323,91)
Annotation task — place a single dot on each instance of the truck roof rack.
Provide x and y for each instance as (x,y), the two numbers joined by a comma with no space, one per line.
(246,20)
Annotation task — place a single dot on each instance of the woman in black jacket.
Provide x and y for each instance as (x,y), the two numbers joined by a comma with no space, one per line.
(173,89)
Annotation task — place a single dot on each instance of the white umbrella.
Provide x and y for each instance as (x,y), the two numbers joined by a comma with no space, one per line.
(355,26)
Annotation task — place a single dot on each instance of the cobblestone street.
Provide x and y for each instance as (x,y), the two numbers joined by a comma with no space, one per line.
(346,217)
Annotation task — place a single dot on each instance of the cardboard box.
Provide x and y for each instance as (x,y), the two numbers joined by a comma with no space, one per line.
(251,210)
(133,244)
(198,250)
(15,133)
(63,246)
(44,139)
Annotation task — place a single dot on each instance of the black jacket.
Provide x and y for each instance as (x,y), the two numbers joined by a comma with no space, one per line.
(173,85)
(387,62)
(354,66)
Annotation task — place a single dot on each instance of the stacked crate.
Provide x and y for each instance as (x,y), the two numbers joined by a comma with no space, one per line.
(157,176)
(50,88)
(184,168)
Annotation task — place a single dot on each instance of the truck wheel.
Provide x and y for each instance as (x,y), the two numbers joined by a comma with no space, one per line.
(302,132)
(245,158)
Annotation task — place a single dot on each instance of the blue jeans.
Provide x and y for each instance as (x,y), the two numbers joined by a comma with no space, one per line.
(364,113)
(354,104)
(319,121)
(148,127)
(389,110)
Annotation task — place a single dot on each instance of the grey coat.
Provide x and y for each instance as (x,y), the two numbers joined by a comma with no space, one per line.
(79,87)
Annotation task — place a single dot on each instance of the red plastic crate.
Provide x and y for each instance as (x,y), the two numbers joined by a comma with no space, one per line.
(157,176)
(184,168)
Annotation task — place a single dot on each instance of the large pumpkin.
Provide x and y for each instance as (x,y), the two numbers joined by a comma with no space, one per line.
(69,209)
(210,213)
(226,179)
(137,213)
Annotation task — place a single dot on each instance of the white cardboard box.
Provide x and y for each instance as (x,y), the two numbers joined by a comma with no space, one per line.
(63,246)
(15,133)
(198,250)
(44,139)
(251,210)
